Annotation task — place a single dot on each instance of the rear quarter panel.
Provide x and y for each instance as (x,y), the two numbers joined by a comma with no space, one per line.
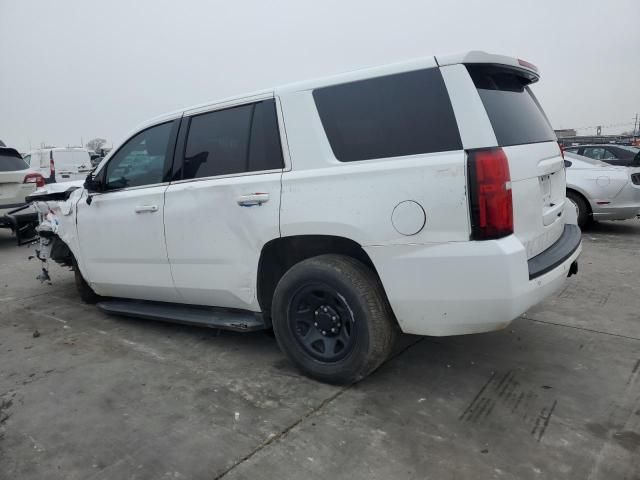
(356,199)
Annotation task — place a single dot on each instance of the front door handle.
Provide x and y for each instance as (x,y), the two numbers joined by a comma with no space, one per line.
(146,208)
(253,199)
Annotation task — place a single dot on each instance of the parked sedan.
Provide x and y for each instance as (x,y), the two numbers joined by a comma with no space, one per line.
(619,155)
(601,191)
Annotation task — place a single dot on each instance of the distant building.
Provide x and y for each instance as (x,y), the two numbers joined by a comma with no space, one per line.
(565,132)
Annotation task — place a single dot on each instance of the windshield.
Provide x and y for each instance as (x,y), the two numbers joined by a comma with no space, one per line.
(11,163)
(629,148)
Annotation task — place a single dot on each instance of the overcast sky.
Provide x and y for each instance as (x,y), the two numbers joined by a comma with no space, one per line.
(78,69)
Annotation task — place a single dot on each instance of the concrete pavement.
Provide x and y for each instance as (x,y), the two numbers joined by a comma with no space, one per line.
(555,395)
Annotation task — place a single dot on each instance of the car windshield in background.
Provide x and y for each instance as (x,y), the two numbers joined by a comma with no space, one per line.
(512,108)
(10,163)
(633,150)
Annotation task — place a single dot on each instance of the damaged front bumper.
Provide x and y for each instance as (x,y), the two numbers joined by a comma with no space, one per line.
(54,206)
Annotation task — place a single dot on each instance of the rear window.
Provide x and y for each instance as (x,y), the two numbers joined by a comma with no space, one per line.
(403,114)
(10,163)
(513,110)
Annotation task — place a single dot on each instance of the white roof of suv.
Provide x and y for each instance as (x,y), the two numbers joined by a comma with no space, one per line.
(473,56)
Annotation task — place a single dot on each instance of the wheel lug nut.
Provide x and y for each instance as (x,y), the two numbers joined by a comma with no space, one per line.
(315,324)
(333,330)
(316,312)
(324,332)
(334,318)
(325,309)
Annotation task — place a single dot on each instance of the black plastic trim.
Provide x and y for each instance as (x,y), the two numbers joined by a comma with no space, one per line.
(212,317)
(557,253)
(51,197)
(13,205)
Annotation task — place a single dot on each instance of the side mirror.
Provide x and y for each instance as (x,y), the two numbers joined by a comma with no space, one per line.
(92,184)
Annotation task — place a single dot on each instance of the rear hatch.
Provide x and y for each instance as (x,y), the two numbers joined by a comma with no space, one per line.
(71,164)
(536,165)
(13,169)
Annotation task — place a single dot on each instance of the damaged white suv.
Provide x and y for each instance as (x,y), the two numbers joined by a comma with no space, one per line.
(426,197)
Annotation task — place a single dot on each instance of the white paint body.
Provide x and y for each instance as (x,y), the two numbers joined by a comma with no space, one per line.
(195,244)
(608,189)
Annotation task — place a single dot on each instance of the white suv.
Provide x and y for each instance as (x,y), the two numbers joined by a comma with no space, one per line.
(426,197)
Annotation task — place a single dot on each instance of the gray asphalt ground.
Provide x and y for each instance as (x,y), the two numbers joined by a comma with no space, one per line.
(556,395)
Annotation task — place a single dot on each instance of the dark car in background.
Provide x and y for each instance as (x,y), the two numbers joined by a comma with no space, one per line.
(620,155)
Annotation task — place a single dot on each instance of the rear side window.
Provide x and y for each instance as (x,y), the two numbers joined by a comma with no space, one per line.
(235,140)
(403,114)
(514,112)
(11,163)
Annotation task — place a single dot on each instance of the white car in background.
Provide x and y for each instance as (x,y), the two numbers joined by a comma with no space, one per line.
(60,164)
(17,181)
(602,191)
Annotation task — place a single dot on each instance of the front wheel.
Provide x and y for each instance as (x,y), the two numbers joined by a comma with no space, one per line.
(84,290)
(332,319)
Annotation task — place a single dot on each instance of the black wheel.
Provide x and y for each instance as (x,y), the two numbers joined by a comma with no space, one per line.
(584,213)
(332,319)
(85,291)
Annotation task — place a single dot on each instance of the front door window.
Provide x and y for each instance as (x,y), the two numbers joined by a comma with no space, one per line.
(141,161)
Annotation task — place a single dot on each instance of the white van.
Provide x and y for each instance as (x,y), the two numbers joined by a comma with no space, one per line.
(60,164)
(427,197)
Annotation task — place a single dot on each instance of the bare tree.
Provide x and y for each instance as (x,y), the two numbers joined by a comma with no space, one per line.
(96,144)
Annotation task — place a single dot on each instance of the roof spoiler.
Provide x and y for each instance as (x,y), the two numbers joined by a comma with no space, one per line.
(529,70)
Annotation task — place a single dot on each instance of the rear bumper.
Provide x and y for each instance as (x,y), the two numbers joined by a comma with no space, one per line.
(617,213)
(624,206)
(557,253)
(468,287)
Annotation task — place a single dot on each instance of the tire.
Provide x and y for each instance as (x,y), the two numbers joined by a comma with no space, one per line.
(582,206)
(84,290)
(326,292)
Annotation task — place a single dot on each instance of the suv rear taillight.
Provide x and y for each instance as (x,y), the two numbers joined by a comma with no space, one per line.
(489,194)
(52,165)
(34,178)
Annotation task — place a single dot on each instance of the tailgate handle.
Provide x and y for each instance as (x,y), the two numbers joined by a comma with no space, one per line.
(551,214)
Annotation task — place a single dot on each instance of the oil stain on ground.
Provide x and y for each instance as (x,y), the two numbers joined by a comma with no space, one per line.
(505,393)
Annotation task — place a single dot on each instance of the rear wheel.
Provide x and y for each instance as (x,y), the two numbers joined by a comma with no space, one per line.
(332,319)
(584,214)
(86,292)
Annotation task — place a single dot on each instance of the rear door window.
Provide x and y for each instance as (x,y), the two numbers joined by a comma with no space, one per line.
(234,140)
(514,112)
(392,116)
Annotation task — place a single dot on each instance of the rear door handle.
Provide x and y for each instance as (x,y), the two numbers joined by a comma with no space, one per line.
(146,208)
(252,199)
